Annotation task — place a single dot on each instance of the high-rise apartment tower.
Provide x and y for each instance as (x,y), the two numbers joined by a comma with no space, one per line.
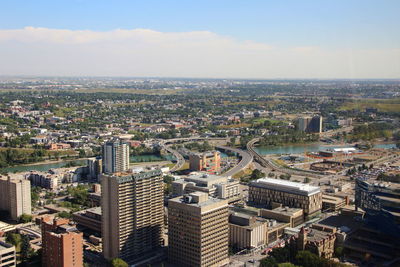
(132,214)
(115,156)
(15,196)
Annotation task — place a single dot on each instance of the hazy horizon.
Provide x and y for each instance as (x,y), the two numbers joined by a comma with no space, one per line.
(231,40)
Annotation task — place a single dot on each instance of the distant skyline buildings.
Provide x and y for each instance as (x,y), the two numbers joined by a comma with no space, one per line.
(115,156)
(310,124)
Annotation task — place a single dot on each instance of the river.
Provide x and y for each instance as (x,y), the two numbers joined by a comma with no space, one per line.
(288,149)
(300,149)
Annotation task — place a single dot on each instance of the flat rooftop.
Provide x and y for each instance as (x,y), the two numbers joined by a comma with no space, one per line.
(207,153)
(95,210)
(332,199)
(287,186)
(203,179)
(206,203)
(286,210)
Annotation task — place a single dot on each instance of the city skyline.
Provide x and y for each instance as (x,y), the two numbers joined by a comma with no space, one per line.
(259,40)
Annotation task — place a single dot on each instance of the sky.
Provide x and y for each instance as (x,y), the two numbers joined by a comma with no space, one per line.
(260,39)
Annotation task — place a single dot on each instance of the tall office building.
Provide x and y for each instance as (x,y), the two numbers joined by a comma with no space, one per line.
(62,244)
(380,200)
(198,230)
(132,214)
(15,196)
(310,124)
(115,156)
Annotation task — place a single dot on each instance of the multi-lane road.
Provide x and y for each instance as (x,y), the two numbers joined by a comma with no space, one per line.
(245,160)
(272,165)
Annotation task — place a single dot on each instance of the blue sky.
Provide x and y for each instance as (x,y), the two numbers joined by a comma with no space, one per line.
(330,25)
(363,23)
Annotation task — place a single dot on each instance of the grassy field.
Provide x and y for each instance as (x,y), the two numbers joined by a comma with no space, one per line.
(230,126)
(271,103)
(108,90)
(242,173)
(262,120)
(48,152)
(383,105)
(185,166)
(133,91)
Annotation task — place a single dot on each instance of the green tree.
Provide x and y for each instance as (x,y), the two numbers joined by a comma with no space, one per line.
(14,239)
(287,264)
(307,259)
(256,174)
(25,248)
(117,262)
(281,254)
(268,262)
(82,153)
(339,252)
(35,195)
(64,214)
(24,218)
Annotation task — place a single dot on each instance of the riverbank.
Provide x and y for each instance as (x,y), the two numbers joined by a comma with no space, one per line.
(311,147)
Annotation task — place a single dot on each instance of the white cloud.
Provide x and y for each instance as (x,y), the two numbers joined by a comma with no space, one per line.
(143,52)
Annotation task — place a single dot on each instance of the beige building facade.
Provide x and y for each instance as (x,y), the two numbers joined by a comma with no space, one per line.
(7,255)
(198,230)
(214,185)
(15,196)
(293,216)
(132,214)
(267,192)
(246,231)
(332,203)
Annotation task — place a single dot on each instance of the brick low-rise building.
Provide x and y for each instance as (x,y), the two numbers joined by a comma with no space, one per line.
(318,239)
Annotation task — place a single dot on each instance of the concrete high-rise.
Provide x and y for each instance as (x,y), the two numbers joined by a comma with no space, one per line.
(310,124)
(115,156)
(132,214)
(198,230)
(95,166)
(15,196)
(62,244)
